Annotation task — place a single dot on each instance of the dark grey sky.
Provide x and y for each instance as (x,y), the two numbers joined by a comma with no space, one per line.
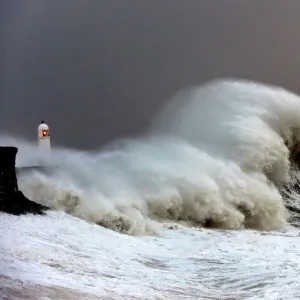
(99,69)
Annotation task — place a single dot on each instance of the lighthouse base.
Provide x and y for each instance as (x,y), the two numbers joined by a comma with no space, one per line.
(13,201)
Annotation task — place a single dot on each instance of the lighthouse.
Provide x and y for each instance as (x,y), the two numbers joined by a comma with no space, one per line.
(43,138)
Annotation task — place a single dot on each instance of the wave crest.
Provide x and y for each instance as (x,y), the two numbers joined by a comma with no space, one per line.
(222,155)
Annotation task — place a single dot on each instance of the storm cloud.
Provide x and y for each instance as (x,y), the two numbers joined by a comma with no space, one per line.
(98,70)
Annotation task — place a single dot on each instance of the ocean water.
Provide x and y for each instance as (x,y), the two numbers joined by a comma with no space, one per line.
(204,205)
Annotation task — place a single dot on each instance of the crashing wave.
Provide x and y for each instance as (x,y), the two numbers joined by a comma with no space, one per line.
(222,155)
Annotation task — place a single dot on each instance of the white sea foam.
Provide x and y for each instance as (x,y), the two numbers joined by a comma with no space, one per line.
(224,155)
(62,257)
(212,158)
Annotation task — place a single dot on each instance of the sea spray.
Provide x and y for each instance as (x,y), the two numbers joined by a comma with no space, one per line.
(216,156)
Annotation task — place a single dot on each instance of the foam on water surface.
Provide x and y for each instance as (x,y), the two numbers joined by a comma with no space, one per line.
(59,255)
(223,156)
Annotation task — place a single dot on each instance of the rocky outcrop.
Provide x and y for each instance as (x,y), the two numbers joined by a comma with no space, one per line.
(13,201)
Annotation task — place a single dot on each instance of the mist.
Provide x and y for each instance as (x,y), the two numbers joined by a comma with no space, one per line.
(99,70)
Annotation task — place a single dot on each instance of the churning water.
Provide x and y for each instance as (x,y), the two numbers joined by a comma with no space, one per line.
(204,205)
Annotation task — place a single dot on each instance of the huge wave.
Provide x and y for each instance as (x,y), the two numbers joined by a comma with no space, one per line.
(221,155)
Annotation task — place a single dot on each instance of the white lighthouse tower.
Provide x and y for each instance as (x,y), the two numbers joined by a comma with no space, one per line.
(44,143)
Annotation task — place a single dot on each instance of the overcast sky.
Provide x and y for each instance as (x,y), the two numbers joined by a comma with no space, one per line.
(99,69)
